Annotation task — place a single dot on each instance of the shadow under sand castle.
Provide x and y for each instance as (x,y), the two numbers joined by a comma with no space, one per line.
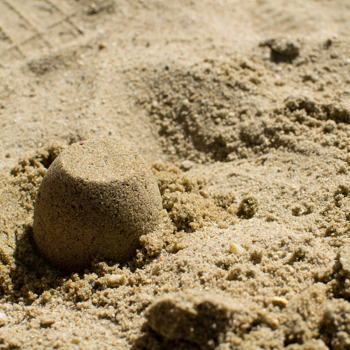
(34,280)
(31,275)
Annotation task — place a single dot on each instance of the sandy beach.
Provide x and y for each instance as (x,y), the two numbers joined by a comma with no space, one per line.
(241,111)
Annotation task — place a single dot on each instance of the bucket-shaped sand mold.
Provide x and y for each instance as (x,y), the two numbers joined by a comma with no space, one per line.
(95,201)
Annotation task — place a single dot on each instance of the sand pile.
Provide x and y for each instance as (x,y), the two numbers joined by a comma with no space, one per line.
(95,202)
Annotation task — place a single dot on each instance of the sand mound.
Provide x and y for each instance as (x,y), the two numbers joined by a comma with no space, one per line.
(95,201)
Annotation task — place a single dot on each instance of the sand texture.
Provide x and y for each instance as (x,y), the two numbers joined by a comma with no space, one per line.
(240,110)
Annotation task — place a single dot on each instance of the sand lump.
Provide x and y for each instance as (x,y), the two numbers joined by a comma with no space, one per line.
(96,200)
(198,318)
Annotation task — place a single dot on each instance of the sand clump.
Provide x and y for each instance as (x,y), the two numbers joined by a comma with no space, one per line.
(197,318)
(95,201)
(282,48)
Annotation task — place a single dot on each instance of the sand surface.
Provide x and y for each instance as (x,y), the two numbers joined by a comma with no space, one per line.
(241,109)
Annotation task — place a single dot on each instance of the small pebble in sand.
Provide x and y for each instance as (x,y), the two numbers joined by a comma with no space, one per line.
(95,201)
(236,248)
(46,322)
(279,301)
(186,165)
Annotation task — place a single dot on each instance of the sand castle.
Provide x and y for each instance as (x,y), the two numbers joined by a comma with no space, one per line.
(95,201)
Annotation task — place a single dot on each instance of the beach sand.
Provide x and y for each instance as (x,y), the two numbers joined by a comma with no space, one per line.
(241,110)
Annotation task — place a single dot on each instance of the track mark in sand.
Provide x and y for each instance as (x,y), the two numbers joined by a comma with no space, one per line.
(28,28)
